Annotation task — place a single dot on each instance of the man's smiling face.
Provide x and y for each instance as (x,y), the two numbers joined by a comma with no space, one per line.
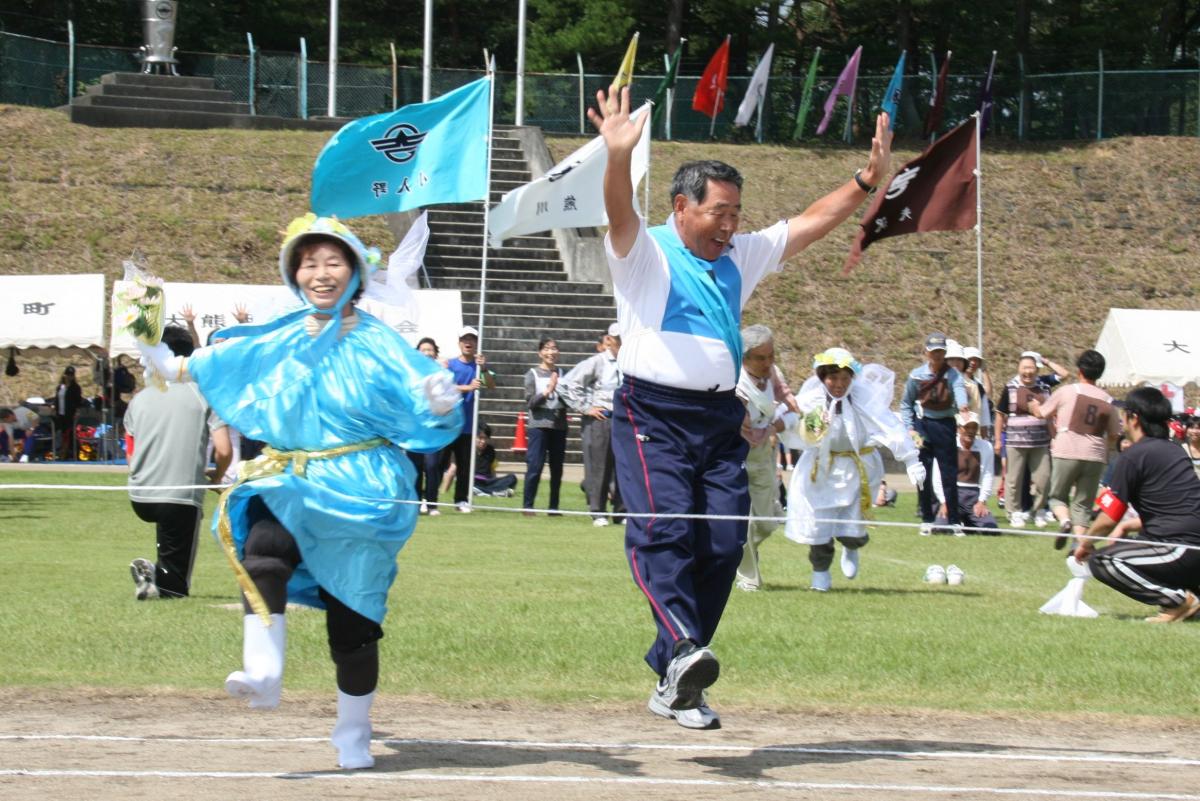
(707,227)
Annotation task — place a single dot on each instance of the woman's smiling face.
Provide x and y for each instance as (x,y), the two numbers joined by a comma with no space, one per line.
(323,274)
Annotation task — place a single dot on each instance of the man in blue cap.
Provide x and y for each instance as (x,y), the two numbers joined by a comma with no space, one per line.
(933,394)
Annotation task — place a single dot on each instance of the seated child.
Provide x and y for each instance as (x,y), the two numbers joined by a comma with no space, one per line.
(976,475)
(486,480)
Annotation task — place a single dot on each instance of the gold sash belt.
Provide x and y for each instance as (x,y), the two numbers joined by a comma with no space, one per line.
(864,499)
(272,462)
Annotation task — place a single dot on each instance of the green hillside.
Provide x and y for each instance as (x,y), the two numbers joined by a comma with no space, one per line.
(1068,231)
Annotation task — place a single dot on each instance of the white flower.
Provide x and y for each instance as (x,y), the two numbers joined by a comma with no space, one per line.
(130,317)
(134,292)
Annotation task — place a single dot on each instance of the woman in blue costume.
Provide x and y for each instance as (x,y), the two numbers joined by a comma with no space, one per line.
(339,397)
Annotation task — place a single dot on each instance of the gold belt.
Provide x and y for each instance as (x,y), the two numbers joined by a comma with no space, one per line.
(864,499)
(271,462)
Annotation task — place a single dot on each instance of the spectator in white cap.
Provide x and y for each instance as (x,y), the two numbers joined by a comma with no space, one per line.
(470,373)
(975,372)
(588,389)
(956,355)
(769,407)
(976,476)
(1024,439)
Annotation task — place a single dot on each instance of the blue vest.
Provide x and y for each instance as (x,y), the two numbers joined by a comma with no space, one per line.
(705,298)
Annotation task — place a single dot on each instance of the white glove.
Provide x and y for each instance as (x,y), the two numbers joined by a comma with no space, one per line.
(441,392)
(916,474)
(159,359)
(780,410)
(790,420)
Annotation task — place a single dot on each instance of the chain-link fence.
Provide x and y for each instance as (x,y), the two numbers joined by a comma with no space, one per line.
(1075,105)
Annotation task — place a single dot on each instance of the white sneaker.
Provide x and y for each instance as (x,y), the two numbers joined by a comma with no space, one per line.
(957,530)
(434,512)
(747,586)
(822,580)
(1017,520)
(935,574)
(926,529)
(1042,518)
(688,674)
(954,575)
(424,508)
(600,522)
(849,562)
(698,717)
(464,507)
(24,458)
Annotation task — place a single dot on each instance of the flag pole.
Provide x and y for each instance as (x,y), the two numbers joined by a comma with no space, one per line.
(933,77)
(483,265)
(646,189)
(712,125)
(762,101)
(978,238)
(667,125)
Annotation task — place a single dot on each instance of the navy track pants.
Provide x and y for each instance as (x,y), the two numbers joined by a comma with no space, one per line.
(681,452)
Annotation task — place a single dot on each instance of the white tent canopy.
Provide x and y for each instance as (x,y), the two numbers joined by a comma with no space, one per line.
(51,311)
(1150,345)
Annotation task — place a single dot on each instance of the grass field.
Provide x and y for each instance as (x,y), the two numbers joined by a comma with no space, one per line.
(495,608)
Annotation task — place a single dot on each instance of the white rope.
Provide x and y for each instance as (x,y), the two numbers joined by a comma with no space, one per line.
(573,513)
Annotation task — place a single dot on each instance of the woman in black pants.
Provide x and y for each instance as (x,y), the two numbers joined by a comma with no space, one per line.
(547,430)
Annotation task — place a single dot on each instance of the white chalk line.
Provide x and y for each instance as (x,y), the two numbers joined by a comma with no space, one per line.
(567,745)
(1051,532)
(763,784)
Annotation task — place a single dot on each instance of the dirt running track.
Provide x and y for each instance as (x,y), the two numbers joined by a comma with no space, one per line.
(186,747)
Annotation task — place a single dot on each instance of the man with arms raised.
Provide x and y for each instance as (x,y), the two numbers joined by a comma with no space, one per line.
(680,289)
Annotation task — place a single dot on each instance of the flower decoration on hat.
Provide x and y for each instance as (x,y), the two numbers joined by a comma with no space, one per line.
(838,357)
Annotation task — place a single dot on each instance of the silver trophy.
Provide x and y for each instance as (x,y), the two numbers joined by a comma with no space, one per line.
(158,28)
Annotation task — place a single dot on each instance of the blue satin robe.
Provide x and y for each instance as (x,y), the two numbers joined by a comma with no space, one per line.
(297,392)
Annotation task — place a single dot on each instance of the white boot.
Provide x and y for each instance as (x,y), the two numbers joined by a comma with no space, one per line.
(261,677)
(849,562)
(352,733)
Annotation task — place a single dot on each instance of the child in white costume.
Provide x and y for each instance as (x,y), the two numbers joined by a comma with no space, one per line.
(846,418)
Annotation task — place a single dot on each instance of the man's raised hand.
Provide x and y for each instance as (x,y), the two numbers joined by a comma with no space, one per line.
(611,119)
(880,161)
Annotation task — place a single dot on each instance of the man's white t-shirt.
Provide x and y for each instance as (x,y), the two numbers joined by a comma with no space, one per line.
(642,284)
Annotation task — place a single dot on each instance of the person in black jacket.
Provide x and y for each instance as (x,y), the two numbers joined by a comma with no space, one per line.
(1156,478)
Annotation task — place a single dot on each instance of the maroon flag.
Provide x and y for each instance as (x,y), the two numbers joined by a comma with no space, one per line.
(937,103)
(933,192)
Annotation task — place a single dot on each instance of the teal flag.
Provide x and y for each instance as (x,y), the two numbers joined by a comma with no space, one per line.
(891,97)
(806,96)
(418,155)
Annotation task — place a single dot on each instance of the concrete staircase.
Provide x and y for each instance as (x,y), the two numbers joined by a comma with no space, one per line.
(529,296)
(138,100)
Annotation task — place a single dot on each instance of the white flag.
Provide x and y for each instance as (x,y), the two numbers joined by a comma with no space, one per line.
(569,195)
(392,294)
(757,89)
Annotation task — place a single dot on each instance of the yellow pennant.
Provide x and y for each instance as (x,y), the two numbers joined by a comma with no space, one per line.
(625,73)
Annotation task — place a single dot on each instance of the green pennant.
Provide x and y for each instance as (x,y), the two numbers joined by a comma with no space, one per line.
(806,97)
(668,82)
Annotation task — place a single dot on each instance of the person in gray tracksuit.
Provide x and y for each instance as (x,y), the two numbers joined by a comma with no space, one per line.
(588,389)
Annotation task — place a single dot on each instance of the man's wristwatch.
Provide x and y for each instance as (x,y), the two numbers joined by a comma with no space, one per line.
(863,185)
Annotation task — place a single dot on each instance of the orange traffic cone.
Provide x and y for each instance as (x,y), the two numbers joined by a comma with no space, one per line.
(519,443)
